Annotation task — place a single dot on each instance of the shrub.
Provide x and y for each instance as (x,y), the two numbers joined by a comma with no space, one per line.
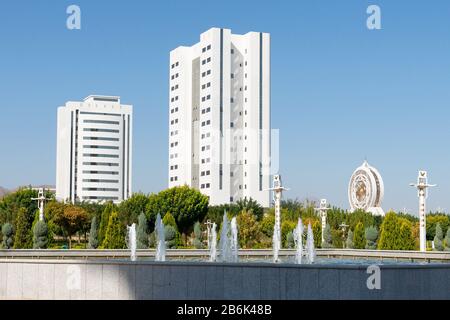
(171,237)
(349,242)
(266,225)
(249,233)
(7,231)
(359,240)
(371,234)
(40,235)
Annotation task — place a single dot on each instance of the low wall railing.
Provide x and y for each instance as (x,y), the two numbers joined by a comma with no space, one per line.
(396,255)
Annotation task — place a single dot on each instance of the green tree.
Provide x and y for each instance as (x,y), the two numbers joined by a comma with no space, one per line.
(286,228)
(250,205)
(390,233)
(22,237)
(290,242)
(249,233)
(349,242)
(371,234)
(93,234)
(438,238)
(142,238)
(130,209)
(169,220)
(267,224)
(317,232)
(115,233)
(406,238)
(70,220)
(8,234)
(447,241)
(359,240)
(40,235)
(432,220)
(198,243)
(109,208)
(186,204)
(171,237)
(327,237)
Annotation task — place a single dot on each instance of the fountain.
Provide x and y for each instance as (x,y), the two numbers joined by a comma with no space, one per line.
(234,241)
(131,241)
(298,239)
(310,251)
(224,244)
(161,240)
(213,244)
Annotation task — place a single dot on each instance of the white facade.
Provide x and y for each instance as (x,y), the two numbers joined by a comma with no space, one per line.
(219,116)
(94,150)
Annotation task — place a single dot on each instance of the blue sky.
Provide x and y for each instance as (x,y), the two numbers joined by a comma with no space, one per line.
(340,92)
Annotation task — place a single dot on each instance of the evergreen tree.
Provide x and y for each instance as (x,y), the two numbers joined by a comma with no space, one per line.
(198,244)
(407,241)
(359,240)
(93,234)
(371,234)
(22,237)
(390,233)
(447,240)
(438,238)
(8,233)
(317,232)
(349,242)
(290,240)
(40,235)
(114,235)
(327,237)
(142,238)
(171,237)
(169,220)
(109,208)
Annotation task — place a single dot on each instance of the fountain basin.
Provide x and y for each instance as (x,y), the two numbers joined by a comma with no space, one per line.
(117,279)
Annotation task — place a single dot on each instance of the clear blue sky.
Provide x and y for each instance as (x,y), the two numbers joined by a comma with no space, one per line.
(340,92)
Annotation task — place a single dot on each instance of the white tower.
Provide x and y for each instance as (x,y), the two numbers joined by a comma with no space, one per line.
(422,185)
(278,190)
(323,208)
(219,120)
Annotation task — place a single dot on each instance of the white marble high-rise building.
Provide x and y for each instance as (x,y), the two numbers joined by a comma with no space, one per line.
(219,116)
(94,150)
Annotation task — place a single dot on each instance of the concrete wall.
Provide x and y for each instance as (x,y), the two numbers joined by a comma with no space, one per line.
(61,280)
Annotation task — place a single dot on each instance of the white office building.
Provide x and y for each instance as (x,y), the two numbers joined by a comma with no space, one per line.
(219,116)
(94,150)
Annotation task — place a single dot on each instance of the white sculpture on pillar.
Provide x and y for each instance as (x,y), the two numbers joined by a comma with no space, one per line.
(323,208)
(278,190)
(422,185)
(41,202)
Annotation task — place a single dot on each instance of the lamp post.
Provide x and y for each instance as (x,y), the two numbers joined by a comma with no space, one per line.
(323,208)
(41,201)
(422,185)
(278,190)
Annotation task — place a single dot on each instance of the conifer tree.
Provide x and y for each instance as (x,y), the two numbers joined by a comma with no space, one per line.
(104,220)
(22,237)
(327,237)
(438,238)
(359,240)
(349,242)
(371,234)
(8,233)
(114,235)
(389,233)
(142,237)
(40,235)
(93,234)
(198,244)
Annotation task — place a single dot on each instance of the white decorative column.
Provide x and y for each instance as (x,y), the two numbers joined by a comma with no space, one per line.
(422,185)
(278,190)
(41,202)
(323,208)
